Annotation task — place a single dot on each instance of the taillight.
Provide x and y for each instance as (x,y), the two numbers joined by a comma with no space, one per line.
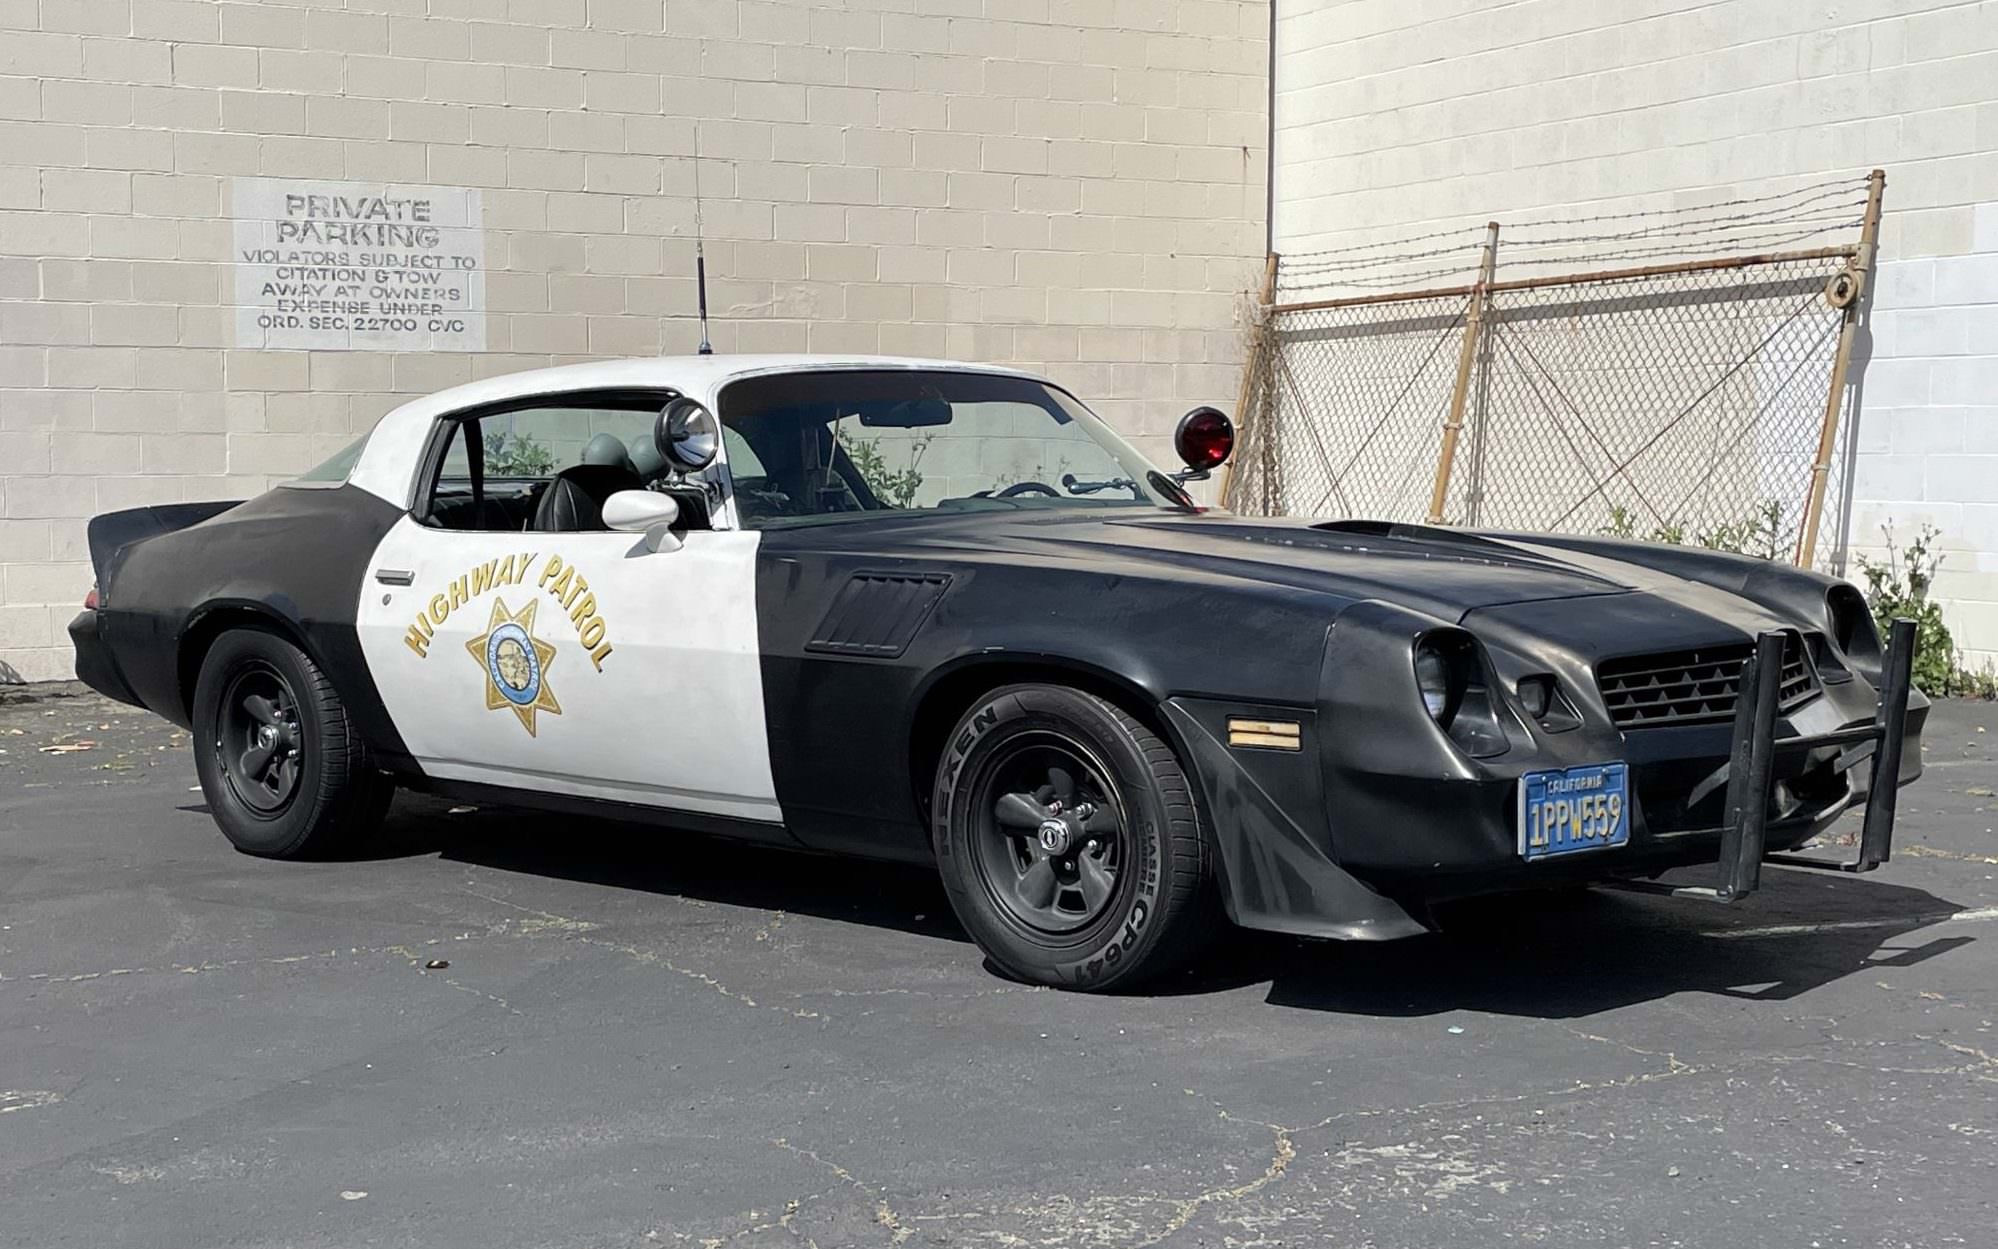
(90,600)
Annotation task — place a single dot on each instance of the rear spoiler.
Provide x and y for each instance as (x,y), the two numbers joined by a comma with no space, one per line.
(112,532)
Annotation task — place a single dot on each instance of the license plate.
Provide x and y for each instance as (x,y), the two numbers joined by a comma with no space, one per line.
(1574,810)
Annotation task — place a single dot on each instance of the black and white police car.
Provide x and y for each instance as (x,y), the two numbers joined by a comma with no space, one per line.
(940,612)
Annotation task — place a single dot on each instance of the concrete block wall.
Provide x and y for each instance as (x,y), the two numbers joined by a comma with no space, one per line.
(1395,118)
(1076,187)
(1928,439)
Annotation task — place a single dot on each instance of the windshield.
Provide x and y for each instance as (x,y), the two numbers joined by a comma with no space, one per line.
(806,447)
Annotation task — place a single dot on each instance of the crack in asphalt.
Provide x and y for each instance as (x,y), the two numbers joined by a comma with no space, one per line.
(883,1213)
(1930,852)
(575,929)
(233,964)
(12,1100)
(1282,1155)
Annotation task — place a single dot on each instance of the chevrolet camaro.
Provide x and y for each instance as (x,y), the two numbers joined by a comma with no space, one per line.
(942,613)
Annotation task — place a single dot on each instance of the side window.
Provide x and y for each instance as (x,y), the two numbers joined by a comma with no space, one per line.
(548,466)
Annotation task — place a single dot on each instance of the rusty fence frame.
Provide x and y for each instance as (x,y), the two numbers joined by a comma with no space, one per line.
(1846,294)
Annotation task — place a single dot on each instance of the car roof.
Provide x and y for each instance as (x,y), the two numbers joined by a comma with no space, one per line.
(387,465)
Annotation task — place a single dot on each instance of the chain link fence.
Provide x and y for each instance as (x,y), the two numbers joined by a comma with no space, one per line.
(1452,380)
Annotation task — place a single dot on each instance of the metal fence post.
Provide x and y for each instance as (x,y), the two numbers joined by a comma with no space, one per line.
(1862,271)
(1255,363)
(1467,356)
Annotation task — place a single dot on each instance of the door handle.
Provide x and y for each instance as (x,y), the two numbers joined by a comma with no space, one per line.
(395,576)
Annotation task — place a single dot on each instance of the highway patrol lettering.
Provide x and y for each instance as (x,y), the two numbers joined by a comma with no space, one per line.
(572,589)
(494,572)
(563,581)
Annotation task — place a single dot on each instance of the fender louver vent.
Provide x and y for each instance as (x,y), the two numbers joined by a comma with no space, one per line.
(877,613)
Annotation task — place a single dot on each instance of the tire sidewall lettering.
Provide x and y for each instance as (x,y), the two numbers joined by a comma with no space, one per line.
(1123,941)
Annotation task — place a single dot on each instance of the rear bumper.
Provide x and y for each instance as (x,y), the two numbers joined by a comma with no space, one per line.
(94,665)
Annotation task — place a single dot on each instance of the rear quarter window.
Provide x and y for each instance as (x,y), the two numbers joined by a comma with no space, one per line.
(335,469)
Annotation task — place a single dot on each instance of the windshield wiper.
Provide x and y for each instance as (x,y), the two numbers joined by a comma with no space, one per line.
(1070,484)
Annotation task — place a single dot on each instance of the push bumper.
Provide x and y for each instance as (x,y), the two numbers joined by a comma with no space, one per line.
(1291,860)
(94,665)
(1752,765)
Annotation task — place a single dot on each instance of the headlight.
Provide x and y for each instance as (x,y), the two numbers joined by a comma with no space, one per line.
(1450,673)
(1440,673)
(1432,677)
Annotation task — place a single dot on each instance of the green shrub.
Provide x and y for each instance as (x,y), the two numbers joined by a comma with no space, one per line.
(517,455)
(1759,534)
(894,487)
(1900,587)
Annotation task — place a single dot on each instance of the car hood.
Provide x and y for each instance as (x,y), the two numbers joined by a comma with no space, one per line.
(1445,573)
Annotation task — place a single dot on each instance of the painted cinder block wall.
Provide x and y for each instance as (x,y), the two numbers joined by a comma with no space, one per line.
(1076,186)
(1400,117)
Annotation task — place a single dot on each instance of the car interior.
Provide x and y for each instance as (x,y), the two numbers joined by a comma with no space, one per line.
(532,471)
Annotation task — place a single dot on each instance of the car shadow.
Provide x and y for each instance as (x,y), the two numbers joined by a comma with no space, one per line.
(1569,955)
(1554,956)
(675,863)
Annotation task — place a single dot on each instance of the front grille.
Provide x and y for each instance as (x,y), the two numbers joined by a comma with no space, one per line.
(1694,687)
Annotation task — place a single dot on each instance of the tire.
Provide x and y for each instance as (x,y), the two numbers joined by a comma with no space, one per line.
(1127,814)
(283,768)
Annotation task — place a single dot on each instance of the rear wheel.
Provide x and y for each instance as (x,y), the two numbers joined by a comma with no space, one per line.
(1068,841)
(284,770)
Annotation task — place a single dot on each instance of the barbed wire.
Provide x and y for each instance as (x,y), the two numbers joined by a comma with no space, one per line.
(1398,281)
(1749,243)
(1377,262)
(1391,242)
(1844,212)
(1777,198)
(1823,204)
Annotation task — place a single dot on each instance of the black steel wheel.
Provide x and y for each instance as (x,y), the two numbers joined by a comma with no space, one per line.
(1051,839)
(285,772)
(258,740)
(1068,840)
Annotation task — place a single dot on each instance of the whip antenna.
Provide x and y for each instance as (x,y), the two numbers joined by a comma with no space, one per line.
(700,253)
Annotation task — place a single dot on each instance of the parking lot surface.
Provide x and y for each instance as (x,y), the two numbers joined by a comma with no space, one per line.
(508,1029)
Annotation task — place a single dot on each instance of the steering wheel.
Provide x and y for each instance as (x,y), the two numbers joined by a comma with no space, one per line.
(1028,487)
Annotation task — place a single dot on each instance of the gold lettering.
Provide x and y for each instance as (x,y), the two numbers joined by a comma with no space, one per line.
(548,570)
(526,562)
(419,643)
(582,584)
(597,655)
(459,593)
(585,608)
(563,584)
(482,576)
(592,633)
(440,608)
(423,623)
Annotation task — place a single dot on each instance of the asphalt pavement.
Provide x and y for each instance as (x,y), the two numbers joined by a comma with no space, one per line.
(507,1029)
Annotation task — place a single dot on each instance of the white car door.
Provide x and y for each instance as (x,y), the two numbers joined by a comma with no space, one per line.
(580,663)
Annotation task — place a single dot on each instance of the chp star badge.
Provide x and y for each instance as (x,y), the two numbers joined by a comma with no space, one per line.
(516,665)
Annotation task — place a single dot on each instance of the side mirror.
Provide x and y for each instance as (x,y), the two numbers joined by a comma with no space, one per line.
(646,512)
(687,435)
(1203,440)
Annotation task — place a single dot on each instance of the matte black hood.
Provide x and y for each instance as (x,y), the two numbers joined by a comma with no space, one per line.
(1451,574)
(1443,573)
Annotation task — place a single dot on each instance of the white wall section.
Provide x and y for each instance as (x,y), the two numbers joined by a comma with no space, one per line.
(1077,188)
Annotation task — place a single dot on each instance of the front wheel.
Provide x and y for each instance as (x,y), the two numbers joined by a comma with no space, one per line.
(285,772)
(1068,841)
